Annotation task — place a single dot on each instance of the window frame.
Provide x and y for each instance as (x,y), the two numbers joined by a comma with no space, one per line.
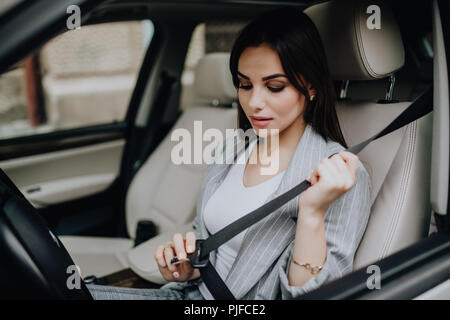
(26,145)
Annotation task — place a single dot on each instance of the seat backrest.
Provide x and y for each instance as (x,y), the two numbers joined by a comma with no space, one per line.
(163,191)
(399,163)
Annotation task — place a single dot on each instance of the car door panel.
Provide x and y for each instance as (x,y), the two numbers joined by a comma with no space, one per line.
(60,176)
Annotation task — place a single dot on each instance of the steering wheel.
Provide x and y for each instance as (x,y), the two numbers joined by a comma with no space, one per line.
(34,263)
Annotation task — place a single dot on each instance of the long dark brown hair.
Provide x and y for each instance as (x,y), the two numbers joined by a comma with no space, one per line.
(295,38)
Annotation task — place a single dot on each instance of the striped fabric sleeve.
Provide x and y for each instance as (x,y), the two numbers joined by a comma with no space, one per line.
(196,223)
(345,222)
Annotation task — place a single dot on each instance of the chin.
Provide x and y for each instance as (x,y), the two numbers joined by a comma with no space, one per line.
(265,132)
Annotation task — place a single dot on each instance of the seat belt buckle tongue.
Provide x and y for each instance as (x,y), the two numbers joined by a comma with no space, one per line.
(194,257)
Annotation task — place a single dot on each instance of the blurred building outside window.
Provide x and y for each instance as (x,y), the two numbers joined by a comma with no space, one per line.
(81,78)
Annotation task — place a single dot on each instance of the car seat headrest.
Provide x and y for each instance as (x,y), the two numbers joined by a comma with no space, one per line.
(213,79)
(362,40)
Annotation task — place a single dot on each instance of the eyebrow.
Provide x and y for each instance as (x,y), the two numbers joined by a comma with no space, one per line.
(265,78)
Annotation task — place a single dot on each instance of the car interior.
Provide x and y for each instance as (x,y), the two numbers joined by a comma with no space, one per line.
(112,194)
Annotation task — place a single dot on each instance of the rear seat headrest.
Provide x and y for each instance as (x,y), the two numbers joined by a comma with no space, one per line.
(355,51)
(213,78)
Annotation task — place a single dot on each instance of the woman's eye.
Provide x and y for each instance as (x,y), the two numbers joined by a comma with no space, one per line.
(245,87)
(275,89)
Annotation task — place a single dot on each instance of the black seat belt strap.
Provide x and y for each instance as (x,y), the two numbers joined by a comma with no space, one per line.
(421,106)
(214,283)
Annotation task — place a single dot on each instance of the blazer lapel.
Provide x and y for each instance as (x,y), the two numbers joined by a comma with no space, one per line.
(265,241)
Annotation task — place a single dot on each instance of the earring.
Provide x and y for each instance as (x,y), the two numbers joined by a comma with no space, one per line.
(312,97)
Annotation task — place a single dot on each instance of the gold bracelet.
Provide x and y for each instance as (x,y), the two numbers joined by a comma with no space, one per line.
(308,266)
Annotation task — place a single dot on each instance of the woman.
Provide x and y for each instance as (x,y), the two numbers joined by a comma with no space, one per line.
(286,99)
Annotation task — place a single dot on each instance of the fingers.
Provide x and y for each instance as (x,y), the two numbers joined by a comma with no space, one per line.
(182,247)
(329,169)
(163,255)
(179,246)
(345,176)
(340,168)
(190,242)
(351,160)
(159,256)
(339,163)
(168,256)
(314,177)
(323,170)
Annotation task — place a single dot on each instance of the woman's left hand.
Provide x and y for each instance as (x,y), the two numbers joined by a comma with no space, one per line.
(329,180)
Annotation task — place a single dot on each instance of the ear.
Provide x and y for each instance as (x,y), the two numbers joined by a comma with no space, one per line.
(311,91)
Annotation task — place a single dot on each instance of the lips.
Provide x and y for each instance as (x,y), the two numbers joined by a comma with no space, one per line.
(260,121)
(261,118)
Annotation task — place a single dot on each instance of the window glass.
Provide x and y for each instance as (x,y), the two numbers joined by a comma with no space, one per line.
(81,78)
(212,36)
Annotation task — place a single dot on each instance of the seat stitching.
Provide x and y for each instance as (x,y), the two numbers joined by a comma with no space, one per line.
(403,186)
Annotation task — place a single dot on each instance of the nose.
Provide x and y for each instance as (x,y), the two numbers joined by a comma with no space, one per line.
(257,99)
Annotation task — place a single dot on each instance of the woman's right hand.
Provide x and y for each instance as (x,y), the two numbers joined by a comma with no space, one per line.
(180,247)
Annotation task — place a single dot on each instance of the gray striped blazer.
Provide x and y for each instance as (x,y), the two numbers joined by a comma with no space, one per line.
(261,266)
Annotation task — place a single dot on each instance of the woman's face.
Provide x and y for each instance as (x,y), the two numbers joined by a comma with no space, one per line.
(265,92)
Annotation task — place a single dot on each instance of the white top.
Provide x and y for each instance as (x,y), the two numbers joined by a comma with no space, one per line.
(231,201)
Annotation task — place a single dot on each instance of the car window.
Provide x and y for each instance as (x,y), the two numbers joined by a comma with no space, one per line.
(212,36)
(81,78)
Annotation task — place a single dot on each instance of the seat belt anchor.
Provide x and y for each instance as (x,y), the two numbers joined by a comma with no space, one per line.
(194,257)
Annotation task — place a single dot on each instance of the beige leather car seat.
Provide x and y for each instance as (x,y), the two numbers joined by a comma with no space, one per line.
(399,163)
(162,191)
